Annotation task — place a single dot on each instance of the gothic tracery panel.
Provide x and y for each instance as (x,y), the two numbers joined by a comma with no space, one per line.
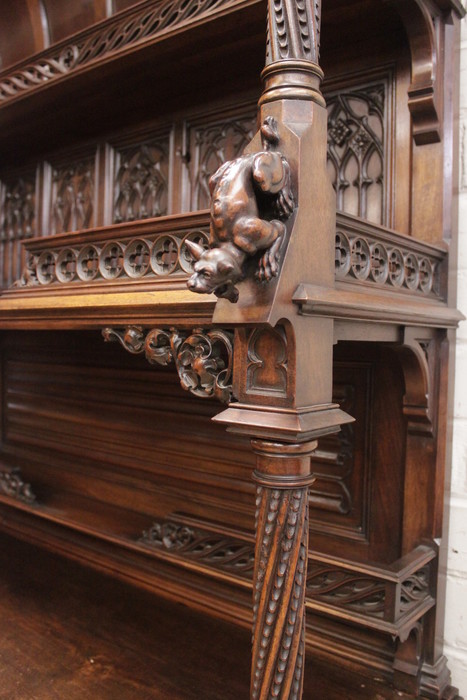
(17,222)
(210,145)
(72,196)
(141,180)
(358,156)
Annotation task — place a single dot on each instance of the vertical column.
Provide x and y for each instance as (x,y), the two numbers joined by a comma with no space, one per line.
(283,476)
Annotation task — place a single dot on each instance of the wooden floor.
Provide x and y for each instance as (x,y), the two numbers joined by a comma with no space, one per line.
(70,634)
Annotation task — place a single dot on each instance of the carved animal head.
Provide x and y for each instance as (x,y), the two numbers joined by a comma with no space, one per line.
(215,271)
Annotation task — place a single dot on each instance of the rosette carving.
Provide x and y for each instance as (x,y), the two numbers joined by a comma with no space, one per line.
(203,359)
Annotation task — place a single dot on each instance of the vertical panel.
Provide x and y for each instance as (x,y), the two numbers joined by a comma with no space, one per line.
(17,222)
(210,143)
(71,193)
(360,147)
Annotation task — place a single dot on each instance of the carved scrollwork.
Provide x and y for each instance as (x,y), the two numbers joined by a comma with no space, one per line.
(12,485)
(115,36)
(210,548)
(251,199)
(365,594)
(415,588)
(203,359)
(348,590)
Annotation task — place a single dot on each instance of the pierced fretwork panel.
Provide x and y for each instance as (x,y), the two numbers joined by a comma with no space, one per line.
(17,222)
(210,145)
(72,196)
(141,181)
(357,150)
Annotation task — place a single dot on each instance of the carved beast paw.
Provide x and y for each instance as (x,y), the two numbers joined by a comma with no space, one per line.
(268,266)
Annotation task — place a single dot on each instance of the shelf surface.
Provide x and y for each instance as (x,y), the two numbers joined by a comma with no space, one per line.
(70,632)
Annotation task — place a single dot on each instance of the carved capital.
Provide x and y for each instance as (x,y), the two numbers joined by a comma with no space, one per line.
(292,54)
(202,358)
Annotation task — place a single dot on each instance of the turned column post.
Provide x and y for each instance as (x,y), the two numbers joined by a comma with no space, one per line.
(283,477)
(282,367)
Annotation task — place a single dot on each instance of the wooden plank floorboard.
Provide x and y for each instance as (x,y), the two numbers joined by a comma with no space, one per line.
(67,633)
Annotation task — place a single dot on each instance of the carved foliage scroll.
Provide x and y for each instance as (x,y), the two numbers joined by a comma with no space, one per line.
(12,485)
(141,181)
(357,155)
(203,359)
(214,550)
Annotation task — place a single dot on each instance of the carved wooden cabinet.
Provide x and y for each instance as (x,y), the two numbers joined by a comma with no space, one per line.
(321,361)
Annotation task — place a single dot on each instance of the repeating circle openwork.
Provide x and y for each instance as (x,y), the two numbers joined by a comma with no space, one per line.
(137,258)
(361,258)
(186,259)
(426,275)
(165,254)
(111,260)
(66,265)
(412,271)
(88,263)
(45,267)
(379,263)
(396,267)
(342,254)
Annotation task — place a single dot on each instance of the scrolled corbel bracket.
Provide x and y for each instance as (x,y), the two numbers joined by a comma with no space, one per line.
(423,29)
(414,355)
(202,358)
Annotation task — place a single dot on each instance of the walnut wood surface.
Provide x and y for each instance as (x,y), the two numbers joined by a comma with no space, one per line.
(50,650)
(98,448)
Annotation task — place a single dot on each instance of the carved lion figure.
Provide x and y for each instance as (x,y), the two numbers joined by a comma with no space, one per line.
(251,198)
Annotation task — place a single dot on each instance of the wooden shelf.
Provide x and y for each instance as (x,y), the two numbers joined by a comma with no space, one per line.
(129,644)
(161,297)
